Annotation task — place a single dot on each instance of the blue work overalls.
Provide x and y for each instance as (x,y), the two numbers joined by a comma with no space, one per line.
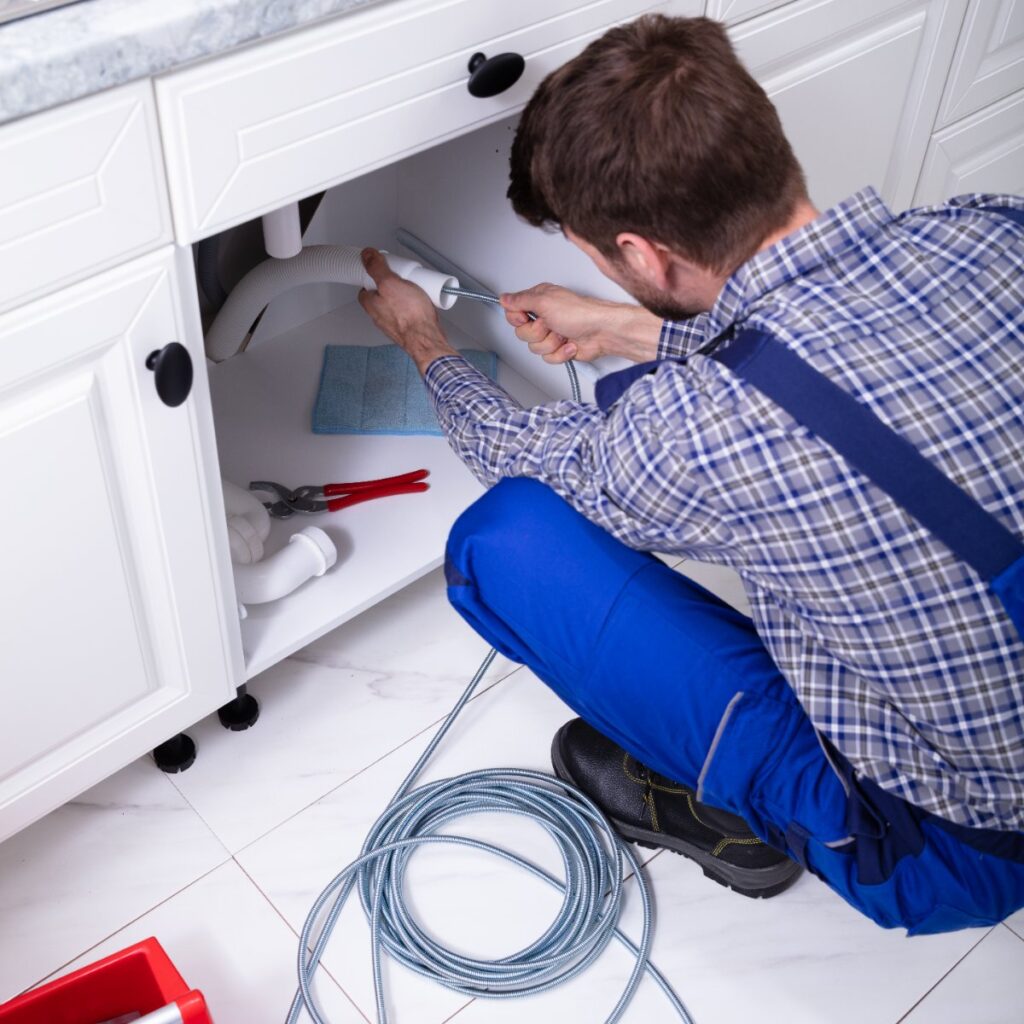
(683,682)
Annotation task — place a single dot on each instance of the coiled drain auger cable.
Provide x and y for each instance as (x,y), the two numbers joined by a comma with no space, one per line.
(593,858)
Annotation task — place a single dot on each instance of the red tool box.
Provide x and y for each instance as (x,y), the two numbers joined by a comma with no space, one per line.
(138,984)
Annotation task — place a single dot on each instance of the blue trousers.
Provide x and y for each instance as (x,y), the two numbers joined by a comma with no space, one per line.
(683,682)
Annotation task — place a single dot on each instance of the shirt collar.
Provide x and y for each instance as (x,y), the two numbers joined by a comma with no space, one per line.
(801,252)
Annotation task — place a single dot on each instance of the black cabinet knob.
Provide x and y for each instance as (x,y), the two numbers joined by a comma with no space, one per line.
(172,370)
(490,75)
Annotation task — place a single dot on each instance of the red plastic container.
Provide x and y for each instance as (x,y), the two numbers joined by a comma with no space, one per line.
(127,986)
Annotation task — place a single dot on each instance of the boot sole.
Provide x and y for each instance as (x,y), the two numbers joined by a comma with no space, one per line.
(756,883)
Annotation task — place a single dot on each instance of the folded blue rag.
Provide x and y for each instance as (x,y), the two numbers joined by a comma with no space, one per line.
(376,389)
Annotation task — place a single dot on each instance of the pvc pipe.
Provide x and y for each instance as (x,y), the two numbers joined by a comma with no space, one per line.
(308,553)
(340,264)
(248,523)
(282,232)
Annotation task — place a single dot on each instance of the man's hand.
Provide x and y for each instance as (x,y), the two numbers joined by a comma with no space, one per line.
(403,312)
(570,326)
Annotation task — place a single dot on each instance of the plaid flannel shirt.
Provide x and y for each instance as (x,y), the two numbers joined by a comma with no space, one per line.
(897,651)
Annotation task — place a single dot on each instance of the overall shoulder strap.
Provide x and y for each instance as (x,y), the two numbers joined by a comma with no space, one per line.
(882,455)
(611,387)
(1010,212)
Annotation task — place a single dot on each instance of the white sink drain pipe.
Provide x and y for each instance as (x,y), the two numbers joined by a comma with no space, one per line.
(315,264)
(309,553)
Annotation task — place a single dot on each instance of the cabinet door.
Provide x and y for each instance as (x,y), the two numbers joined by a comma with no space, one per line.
(857,86)
(733,11)
(989,62)
(983,153)
(114,626)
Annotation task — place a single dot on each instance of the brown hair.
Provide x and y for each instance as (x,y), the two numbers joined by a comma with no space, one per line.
(656,128)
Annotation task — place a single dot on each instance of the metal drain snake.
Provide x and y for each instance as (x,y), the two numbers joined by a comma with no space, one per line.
(593,857)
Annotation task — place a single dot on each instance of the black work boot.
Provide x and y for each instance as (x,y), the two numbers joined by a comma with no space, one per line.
(650,810)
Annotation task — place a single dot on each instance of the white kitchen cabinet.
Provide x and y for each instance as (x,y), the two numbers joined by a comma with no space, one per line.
(989,61)
(113,617)
(981,153)
(122,621)
(875,68)
(81,189)
(857,86)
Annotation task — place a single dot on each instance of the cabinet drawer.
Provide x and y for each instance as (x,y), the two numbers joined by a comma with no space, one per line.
(250,131)
(983,153)
(989,61)
(81,188)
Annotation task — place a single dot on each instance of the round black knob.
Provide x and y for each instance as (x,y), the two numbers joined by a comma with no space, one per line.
(172,367)
(489,76)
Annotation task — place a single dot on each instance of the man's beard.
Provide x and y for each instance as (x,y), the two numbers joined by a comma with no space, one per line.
(657,302)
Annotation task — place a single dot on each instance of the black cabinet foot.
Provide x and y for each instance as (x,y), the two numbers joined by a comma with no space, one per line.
(240,713)
(176,754)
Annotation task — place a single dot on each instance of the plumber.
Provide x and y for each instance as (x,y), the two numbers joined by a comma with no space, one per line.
(867,723)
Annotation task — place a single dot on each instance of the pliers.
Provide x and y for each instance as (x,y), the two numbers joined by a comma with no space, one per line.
(313,498)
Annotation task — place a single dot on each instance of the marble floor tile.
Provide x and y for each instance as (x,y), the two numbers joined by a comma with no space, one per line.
(332,709)
(721,581)
(93,865)
(227,941)
(804,957)
(986,987)
(474,902)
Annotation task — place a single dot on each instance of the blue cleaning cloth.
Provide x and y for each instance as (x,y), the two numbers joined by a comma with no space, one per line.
(376,389)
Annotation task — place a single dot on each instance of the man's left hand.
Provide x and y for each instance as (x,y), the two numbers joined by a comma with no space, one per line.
(403,312)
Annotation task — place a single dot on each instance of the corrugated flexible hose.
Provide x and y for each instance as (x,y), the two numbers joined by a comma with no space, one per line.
(594,857)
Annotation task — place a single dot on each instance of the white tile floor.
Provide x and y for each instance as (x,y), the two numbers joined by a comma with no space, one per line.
(222,862)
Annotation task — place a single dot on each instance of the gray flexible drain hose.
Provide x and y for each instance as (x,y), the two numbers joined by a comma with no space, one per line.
(592,854)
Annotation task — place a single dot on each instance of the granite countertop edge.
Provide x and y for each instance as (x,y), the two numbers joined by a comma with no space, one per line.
(64,54)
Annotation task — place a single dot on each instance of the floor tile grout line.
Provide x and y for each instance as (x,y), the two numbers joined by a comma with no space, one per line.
(129,923)
(323,967)
(1012,931)
(464,1006)
(361,771)
(305,807)
(388,753)
(951,969)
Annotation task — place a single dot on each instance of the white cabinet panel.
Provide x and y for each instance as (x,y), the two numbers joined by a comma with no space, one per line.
(248,132)
(81,188)
(733,11)
(857,86)
(114,626)
(983,153)
(989,61)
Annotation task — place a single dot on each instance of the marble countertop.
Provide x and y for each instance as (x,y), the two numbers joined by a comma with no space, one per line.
(60,55)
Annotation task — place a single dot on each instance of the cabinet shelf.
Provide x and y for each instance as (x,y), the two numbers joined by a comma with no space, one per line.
(263,402)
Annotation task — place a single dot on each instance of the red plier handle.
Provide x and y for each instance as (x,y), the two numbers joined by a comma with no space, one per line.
(334,504)
(332,490)
(345,495)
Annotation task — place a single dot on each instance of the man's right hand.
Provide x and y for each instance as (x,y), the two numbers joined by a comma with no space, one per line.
(571,326)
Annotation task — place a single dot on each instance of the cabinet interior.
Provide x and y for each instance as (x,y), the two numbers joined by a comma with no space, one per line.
(453,198)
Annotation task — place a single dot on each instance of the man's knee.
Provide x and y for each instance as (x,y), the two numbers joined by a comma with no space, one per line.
(514,525)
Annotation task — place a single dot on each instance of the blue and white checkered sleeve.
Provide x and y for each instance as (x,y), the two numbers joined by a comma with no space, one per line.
(616,468)
(680,338)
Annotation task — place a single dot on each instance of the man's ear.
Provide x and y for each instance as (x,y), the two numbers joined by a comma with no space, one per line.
(649,260)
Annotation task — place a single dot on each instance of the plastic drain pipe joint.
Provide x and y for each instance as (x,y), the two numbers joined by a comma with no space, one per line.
(309,553)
